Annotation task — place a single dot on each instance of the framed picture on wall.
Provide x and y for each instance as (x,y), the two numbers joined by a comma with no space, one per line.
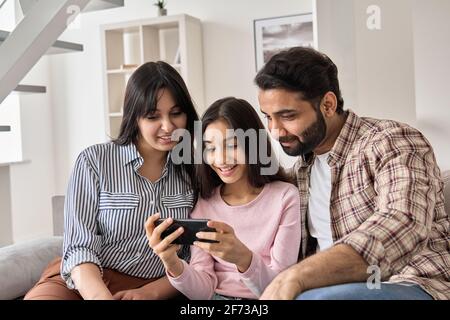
(273,35)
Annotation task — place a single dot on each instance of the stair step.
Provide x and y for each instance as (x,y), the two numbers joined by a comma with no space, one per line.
(96,5)
(57,48)
(30,89)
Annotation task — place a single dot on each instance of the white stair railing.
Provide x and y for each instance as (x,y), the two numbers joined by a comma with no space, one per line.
(2,3)
(38,30)
(44,22)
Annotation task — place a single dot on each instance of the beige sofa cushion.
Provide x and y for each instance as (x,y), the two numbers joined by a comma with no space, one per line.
(446,178)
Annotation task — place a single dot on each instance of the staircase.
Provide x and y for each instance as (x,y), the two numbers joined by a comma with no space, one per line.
(22,164)
(36,35)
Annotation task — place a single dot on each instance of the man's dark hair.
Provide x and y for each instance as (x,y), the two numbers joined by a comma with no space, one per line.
(303,70)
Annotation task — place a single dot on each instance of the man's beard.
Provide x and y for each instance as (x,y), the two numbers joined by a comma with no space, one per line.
(312,136)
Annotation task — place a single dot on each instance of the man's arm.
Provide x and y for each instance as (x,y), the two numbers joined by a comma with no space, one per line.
(406,183)
(339,264)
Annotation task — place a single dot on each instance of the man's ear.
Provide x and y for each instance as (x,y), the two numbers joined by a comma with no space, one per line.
(329,104)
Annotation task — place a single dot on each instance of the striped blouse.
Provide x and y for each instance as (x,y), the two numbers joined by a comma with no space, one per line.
(107,204)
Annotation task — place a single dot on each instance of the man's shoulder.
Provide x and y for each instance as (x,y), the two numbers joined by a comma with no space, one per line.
(388,132)
(382,126)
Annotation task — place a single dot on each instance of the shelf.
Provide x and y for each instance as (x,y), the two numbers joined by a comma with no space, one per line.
(176,39)
(57,48)
(60,47)
(7,164)
(30,89)
(121,71)
(123,47)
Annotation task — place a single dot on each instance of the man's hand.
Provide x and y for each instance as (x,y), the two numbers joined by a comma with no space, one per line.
(336,265)
(285,286)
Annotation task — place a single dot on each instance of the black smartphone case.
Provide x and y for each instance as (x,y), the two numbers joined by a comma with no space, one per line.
(191,227)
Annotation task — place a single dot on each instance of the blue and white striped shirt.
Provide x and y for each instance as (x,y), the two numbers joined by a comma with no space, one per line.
(106,207)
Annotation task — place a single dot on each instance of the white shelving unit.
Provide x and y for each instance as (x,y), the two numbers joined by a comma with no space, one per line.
(176,40)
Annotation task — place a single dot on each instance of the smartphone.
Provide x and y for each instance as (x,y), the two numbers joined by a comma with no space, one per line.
(190,226)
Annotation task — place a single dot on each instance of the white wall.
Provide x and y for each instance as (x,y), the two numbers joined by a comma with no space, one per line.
(5,208)
(399,72)
(27,187)
(11,142)
(33,182)
(7,113)
(376,67)
(229,66)
(385,61)
(432,67)
(71,117)
(7,17)
(336,37)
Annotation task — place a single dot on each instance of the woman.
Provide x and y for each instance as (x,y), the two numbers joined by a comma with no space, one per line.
(113,189)
(256,216)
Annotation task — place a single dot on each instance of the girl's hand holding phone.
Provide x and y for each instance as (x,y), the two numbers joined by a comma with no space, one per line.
(164,248)
(228,248)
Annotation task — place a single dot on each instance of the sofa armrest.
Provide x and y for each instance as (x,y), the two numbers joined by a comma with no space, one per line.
(21,265)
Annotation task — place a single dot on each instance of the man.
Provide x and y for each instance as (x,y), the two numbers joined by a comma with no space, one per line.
(371,191)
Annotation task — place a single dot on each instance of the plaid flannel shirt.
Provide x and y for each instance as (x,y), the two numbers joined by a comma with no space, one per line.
(387,202)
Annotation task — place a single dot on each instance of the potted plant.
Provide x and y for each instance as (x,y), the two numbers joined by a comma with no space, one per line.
(161,4)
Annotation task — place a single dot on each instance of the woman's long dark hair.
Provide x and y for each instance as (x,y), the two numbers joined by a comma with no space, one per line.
(141,98)
(239,114)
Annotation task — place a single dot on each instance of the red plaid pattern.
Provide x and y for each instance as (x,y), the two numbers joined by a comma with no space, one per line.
(387,202)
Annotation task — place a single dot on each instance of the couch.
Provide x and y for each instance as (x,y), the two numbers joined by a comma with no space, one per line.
(22,264)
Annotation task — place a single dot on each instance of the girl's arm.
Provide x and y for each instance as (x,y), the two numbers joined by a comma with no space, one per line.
(256,273)
(198,280)
(195,281)
(284,250)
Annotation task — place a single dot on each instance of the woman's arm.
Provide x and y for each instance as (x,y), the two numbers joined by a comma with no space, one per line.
(82,241)
(89,283)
